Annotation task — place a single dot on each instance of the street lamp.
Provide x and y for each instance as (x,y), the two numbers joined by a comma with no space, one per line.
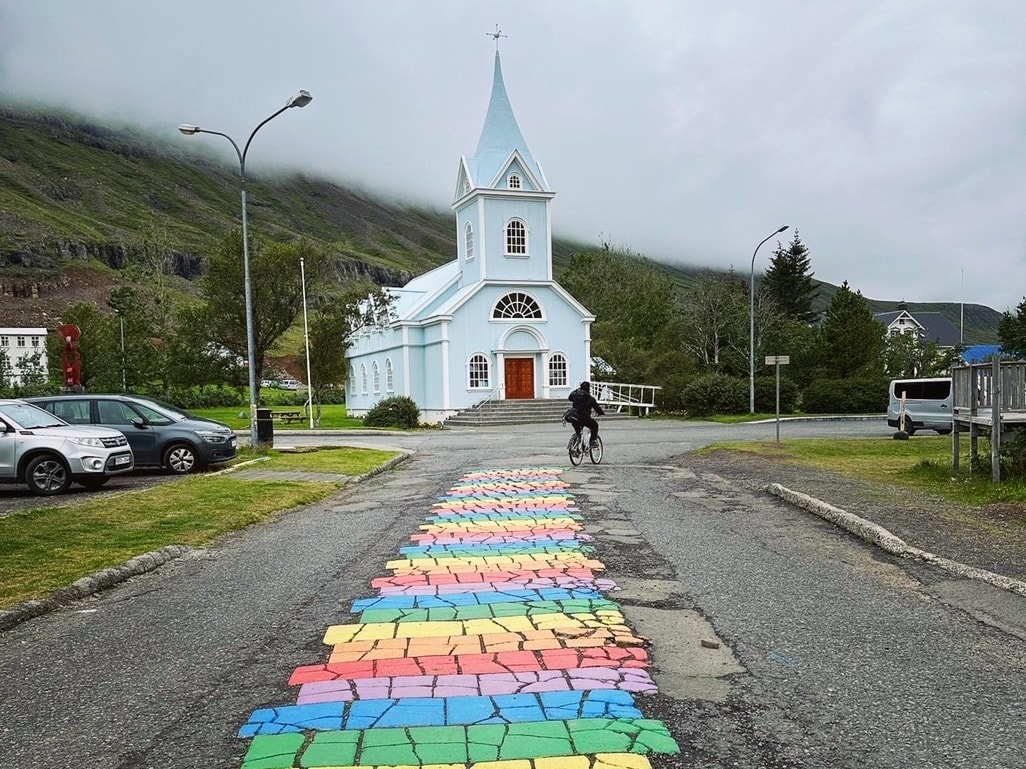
(751,325)
(301,99)
(306,342)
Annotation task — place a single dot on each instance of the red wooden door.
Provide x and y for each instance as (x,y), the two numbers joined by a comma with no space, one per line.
(519,378)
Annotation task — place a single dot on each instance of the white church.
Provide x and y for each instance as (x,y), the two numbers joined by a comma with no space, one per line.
(493,324)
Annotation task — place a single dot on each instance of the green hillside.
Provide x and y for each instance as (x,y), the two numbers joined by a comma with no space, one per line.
(78,197)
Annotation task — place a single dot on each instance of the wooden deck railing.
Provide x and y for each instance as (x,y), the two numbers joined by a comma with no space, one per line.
(987,398)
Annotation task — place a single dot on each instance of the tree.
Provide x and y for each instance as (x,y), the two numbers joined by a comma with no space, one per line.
(634,303)
(331,329)
(851,341)
(716,322)
(1012,331)
(788,282)
(277,291)
(909,356)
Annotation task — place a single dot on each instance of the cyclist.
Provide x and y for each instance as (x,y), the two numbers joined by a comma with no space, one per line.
(580,413)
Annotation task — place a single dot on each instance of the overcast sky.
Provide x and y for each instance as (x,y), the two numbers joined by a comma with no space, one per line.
(891,134)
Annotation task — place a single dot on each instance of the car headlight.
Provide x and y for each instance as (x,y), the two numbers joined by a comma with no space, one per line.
(211,437)
(93,443)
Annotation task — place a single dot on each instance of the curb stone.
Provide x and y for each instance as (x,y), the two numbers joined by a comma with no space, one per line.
(882,538)
(140,564)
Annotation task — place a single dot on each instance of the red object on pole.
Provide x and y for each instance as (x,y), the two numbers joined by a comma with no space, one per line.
(71,357)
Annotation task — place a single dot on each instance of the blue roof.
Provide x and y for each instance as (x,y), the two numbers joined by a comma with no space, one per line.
(980,353)
(500,136)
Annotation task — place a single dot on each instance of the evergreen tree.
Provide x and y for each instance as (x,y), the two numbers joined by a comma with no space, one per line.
(788,281)
(852,341)
(1012,331)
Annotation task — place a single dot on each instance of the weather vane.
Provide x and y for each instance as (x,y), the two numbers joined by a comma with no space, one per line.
(496,35)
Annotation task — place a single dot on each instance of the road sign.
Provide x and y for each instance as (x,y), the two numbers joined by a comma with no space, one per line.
(778,360)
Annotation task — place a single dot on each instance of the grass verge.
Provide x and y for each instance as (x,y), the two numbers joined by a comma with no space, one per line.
(922,463)
(333,417)
(48,548)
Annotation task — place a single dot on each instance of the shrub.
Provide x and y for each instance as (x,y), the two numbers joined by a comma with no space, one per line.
(394,412)
(766,395)
(715,394)
(845,396)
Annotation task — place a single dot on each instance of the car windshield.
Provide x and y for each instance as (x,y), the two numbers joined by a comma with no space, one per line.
(29,417)
(166,408)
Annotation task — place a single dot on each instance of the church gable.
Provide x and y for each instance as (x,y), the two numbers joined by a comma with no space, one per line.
(516,176)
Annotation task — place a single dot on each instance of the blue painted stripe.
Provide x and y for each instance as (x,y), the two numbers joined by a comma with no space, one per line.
(443,711)
(473,599)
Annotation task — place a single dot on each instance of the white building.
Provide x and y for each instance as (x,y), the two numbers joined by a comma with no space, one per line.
(492,323)
(22,351)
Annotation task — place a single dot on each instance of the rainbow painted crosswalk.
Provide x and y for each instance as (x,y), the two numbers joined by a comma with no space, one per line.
(492,644)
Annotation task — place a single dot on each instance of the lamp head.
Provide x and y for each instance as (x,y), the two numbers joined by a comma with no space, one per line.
(188,130)
(785,227)
(301,99)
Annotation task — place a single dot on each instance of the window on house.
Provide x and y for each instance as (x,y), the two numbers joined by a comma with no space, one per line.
(516,305)
(389,376)
(363,378)
(468,233)
(376,376)
(516,238)
(557,370)
(21,341)
(513,182)
(5,341)
(477,370)
(35,341)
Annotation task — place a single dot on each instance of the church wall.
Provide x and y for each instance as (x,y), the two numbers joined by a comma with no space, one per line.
(535,266)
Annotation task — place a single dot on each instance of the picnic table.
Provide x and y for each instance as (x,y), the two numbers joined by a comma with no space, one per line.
(288,416)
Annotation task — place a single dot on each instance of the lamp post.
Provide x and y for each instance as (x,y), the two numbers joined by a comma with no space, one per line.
(306,342)
(751,325)
(124,379)
(301,99)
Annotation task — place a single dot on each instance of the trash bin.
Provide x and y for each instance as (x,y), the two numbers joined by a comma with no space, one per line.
(265,427)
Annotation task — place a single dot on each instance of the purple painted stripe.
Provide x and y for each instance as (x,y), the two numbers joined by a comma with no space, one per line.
(579,679)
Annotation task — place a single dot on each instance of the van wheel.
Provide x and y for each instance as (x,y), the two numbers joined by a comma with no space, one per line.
(910,428)
(945,431)
(180,458)
(47,475)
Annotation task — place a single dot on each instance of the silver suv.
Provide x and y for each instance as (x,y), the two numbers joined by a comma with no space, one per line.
(38,449)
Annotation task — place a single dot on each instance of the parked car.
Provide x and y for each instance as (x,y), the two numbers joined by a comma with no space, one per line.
(926,404)
(161,435)
(47,454)
(289,384)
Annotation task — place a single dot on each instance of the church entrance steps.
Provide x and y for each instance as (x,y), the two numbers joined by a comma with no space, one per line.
(512,412)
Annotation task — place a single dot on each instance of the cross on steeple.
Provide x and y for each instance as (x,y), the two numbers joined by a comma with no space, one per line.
(496,34)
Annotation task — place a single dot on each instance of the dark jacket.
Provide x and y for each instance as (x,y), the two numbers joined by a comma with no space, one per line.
(583,404)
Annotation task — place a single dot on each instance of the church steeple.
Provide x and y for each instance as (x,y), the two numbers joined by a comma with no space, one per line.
(500,139)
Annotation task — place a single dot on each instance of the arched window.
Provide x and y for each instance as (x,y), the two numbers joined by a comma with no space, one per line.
(376,375)
(389,376)
(513,182)
(466,185)
(468,234)
(558,376)
(516,238)
(477,372)
(363,378)
(516,305)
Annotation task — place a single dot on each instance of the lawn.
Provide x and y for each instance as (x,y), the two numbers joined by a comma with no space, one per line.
(48,548)
(333,417)
(923,462)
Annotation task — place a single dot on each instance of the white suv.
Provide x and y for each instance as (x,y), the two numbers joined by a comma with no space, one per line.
(38,449)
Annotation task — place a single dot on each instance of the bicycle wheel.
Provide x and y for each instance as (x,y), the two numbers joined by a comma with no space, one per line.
(595,450)
(576,450)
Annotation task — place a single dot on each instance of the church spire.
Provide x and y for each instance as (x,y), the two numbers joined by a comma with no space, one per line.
(501,135)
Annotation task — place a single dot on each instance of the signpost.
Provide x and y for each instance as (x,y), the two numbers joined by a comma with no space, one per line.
(777,361)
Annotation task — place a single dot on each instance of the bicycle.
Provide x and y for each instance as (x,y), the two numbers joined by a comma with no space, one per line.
(576,449)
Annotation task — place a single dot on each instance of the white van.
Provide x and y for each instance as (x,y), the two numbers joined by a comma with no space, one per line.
(927,404)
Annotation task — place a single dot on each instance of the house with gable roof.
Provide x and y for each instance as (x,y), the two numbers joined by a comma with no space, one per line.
(493,323)
(928,326)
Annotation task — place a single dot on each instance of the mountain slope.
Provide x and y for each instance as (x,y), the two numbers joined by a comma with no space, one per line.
(77,199)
